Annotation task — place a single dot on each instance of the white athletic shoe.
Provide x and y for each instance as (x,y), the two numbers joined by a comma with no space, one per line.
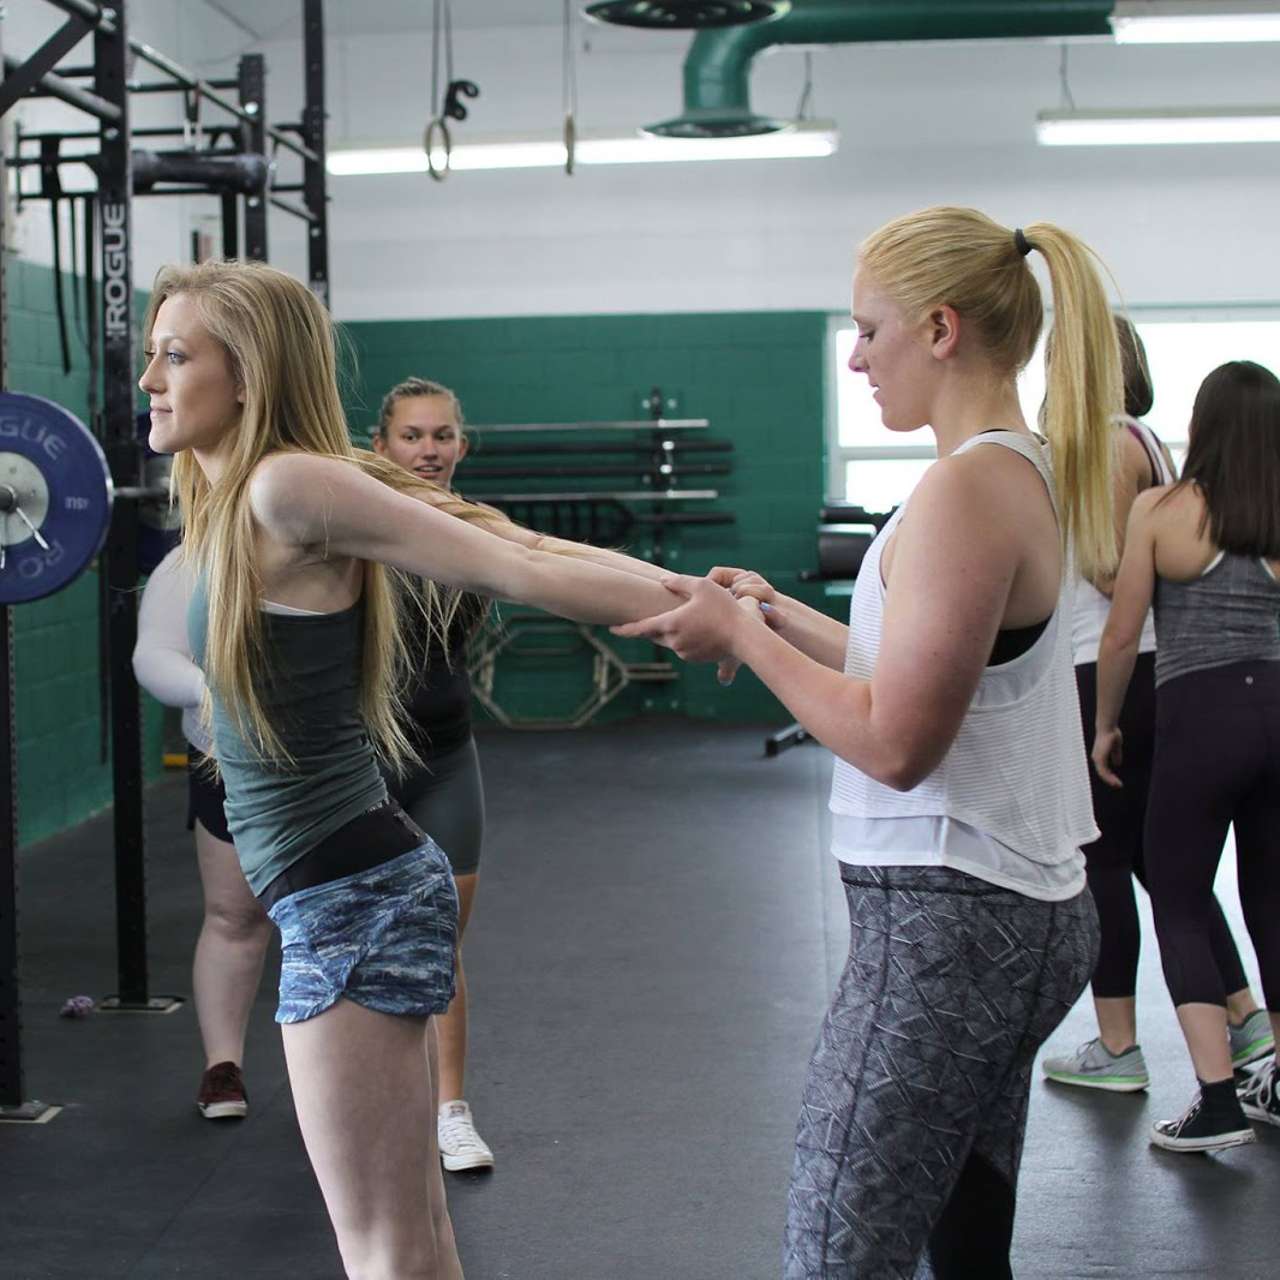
(1259,1095)
(461,1147)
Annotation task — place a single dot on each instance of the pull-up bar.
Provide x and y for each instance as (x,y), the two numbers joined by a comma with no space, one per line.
(102,18)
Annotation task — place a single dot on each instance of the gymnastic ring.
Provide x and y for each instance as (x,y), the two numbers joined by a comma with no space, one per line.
(441,126)
(570,144)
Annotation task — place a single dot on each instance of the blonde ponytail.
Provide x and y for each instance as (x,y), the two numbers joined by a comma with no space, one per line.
(1084,393)
(966,260)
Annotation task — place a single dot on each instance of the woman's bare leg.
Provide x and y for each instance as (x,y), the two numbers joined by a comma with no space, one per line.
(367,1112)
(230,950)
(452,1025)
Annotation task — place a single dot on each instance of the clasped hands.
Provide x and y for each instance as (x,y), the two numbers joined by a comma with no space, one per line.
(710,625)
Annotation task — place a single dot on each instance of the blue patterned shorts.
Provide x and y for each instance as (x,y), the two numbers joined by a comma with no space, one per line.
(384,938)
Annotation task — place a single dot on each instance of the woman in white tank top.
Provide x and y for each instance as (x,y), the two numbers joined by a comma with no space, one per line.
(960,798)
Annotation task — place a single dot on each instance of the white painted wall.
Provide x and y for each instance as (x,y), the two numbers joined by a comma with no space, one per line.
(920,124)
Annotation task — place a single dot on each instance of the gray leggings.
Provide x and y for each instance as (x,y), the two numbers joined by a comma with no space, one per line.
(915,1106)
(446,799)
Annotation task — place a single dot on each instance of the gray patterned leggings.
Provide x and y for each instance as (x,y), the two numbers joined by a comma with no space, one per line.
(915,1107)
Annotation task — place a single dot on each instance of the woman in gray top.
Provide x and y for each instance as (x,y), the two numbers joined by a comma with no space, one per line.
(1208,550)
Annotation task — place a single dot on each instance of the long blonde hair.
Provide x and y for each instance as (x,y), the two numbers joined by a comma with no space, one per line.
(281,347)
(962,258)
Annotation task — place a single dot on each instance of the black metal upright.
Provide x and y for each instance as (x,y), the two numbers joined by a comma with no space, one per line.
(115,192)
(10,1004)
(314,179)
(253,98)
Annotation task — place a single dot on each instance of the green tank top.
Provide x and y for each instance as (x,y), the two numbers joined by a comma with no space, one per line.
(277,812)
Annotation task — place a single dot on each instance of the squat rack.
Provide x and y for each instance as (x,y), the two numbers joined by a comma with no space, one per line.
(234,164)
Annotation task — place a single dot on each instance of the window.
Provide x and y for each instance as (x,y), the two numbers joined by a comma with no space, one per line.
(877,469)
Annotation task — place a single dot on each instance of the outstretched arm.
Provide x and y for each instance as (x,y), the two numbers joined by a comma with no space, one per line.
(952,573)
(330,505)
(1118,649)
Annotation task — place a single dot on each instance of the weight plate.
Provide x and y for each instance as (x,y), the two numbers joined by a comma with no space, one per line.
(53,460)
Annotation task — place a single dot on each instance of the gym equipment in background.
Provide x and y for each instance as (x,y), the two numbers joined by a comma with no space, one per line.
(235,158)
(651,460)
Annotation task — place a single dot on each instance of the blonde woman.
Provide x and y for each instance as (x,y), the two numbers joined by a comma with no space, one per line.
(960,799)
(420,428)
(294,622)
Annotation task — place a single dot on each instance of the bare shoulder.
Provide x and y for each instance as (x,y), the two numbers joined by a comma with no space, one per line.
(1164,504)
(285,484)
(994,484)
(1133,460)
(964,504)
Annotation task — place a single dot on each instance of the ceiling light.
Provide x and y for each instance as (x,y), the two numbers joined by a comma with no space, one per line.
(1157,128)
(810,139)
(1195,21)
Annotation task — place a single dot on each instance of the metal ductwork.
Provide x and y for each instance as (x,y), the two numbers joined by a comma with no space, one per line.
(717,102)
(686,15)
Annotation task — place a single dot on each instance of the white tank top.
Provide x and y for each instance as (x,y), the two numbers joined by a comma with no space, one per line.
(1092,607)
(1010,801)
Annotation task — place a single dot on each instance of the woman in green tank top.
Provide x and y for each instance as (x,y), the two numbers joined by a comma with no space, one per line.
(304,547)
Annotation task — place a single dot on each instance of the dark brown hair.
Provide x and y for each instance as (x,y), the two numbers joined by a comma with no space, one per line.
(1234,458)
(1139,395)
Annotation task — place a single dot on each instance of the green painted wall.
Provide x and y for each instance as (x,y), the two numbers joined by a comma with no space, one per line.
(758,377)
(62,776)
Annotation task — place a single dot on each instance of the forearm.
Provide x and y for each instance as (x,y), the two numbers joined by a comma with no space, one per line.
(814,633)
(836,709)
(169,676)
(1116,661)
(605,556)
(584,591)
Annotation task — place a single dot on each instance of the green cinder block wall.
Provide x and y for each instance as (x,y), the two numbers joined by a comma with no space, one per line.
(758,377)
(62,776)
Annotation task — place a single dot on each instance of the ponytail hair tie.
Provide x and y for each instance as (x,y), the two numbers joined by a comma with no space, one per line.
(1021,243)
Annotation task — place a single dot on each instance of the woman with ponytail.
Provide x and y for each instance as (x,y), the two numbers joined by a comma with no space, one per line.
(306,555)
(1206,551)
(960,799)
(1113,1060)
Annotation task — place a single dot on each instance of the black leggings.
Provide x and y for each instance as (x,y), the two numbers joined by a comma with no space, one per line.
(1217,762)
(1115,859)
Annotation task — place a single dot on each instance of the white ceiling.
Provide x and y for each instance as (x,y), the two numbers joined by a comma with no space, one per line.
(280,19)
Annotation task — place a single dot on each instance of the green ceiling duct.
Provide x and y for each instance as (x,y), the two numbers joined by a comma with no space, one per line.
(717,101)
(686,15)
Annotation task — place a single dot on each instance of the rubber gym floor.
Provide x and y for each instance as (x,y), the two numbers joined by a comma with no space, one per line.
(657,929)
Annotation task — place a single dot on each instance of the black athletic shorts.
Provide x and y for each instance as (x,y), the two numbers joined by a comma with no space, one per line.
(206,796)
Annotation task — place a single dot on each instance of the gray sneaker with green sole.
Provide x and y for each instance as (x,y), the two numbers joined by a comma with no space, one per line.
(1094,1066)
(1252,1040)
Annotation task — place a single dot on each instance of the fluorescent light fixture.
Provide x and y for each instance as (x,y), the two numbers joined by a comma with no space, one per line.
(810,139)
(1157,128)
(1195,21)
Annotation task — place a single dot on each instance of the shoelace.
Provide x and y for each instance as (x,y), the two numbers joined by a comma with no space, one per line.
(1175,1127)
(459,1134)
(1261,1089)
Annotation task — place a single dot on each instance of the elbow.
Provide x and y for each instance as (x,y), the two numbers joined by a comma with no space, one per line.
(907,766)
(905,776)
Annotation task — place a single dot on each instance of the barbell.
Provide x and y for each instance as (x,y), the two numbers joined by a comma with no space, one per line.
(56,497)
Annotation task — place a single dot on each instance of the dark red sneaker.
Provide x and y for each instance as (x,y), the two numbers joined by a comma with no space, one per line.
(222,1095)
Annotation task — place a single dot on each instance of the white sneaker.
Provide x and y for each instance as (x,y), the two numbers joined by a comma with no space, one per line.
(461,1147)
